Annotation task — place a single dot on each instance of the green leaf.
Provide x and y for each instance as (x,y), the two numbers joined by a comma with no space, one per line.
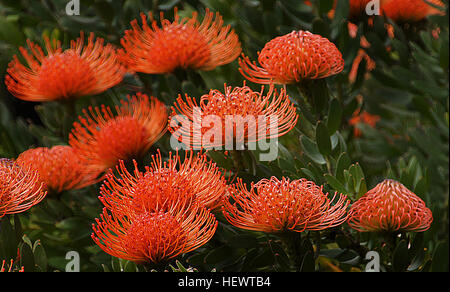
(310,149)
(40,256)
(335,184)
(323,139)
(334,116)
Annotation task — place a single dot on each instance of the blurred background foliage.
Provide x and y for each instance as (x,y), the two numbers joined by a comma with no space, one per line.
(408,90)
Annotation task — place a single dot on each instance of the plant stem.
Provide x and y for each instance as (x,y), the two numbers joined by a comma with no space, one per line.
(291,242)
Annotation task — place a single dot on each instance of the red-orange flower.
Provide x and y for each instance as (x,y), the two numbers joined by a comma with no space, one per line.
(103,138)
(362,118)
(184,43)
(293,57)
(78,71)
(59,167)
(20,188)
(237,115)
(4,267)
(275,206)
(164,185)
(410,10)
(154,237)
(390,206)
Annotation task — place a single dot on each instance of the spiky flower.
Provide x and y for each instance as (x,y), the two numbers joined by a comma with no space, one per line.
(5,268)
(293,57)
(238,115)
(184,43)
(59,167)
(64,74)
(390,206)
(103,138)
(20,188)
(277,206)
(164,185)
(154,237)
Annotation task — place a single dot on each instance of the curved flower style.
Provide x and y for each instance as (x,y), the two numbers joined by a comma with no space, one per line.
(410,10)
(79,71)
(239,114)
(102,138)
(4,268)
(276,206)
(154,237)
(364,118)
(165,185)
(184,43)
(290,58)
(59,167)
(20,188)
(390,206)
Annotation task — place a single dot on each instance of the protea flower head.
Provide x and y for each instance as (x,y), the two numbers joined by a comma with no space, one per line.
(390,206)
(277,206)
(410,10)
(102,137)
(64,74)
(154,237)
(184,43)
(293,57)
(59,167)
(165,185)
(362,117)
(20,188)
(238,115)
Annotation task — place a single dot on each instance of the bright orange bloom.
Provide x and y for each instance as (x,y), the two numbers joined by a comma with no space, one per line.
(20,188)
(10,269)
(59,167)
(410,10)
(154,237)
(254,117)
(165,185)
(79,71)
(275,206)
(184,43)
(103,138)
(390,206)
(364,118)
(293,57)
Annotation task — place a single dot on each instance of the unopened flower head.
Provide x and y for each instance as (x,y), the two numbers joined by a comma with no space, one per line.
(293,57)
(390,206)
(184,43)
(277,206)
(64,74)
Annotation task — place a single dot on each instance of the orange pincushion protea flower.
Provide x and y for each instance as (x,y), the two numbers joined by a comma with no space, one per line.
(276,206)
(154,237)
(184,43)
(364,118)
(102,138)
(165,185)
(59,167)
(390,206)
(273,114)
(79,71)
(410,10)
(290,58)
(20,188)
